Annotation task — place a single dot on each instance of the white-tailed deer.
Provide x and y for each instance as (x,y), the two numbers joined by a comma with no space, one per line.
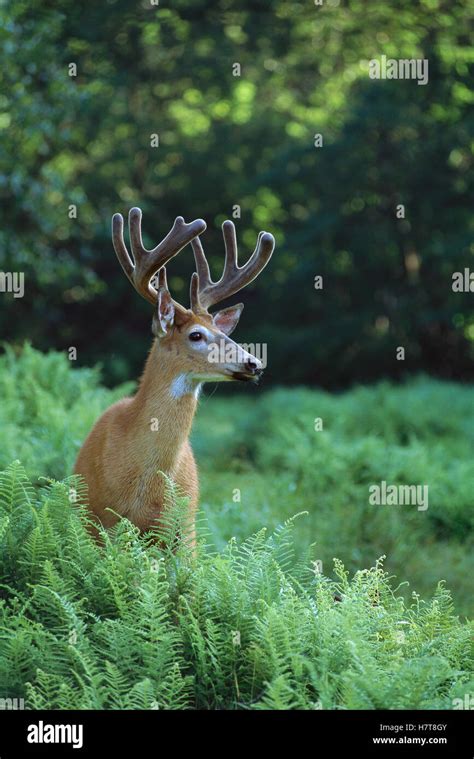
(139,438)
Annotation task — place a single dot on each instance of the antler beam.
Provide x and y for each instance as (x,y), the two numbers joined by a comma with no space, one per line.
(206,293)
(147,262)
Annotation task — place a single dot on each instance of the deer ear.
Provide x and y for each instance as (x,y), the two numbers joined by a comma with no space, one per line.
(227,319)
(163,318)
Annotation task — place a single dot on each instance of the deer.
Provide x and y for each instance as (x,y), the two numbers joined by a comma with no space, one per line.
(141,441)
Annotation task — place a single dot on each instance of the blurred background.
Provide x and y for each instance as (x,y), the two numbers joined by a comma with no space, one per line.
(246,141)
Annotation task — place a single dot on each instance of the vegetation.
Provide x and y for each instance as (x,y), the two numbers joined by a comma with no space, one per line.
(252,623)
(84,140)
(263,112)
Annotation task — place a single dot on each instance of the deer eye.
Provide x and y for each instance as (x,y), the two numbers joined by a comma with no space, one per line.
(196,336)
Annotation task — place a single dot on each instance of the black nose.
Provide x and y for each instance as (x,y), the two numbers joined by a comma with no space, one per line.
(251,366)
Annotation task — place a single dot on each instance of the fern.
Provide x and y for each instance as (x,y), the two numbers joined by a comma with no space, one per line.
(140,623)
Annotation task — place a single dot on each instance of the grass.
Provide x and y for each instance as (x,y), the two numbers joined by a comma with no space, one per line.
(251,623)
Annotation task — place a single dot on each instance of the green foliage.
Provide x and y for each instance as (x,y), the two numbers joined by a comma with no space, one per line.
(418,433)
(250,623)
(244,140)
(133,626)
(56,405)
(265,447)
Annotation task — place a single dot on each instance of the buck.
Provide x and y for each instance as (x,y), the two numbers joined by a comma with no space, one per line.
(141,438)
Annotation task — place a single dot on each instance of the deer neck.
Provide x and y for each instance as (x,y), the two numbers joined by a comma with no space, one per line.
(163,409)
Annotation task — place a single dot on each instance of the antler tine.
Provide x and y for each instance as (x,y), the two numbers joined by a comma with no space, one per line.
(162,280)
(120,247)
(206,293)
(202,265)
(148,262)
(230,244)
(202,276)
(194,294)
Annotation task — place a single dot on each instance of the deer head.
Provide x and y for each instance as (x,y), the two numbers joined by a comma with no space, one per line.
(196,342)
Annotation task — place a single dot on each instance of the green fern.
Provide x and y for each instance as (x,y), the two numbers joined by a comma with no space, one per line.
(139,623)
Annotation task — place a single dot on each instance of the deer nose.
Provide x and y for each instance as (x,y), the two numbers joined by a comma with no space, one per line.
(253,366)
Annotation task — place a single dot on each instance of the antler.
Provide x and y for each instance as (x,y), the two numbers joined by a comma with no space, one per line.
(147,262)
(206,293)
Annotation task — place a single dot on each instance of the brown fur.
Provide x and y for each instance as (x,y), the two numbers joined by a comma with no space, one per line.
(122,457)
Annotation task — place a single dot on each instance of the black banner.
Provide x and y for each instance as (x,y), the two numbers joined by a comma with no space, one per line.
(374,733)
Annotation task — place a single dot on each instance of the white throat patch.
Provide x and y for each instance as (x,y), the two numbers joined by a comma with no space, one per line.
(185,384)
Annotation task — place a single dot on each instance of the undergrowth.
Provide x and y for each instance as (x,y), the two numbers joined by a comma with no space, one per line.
(132,625)
(251,623)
